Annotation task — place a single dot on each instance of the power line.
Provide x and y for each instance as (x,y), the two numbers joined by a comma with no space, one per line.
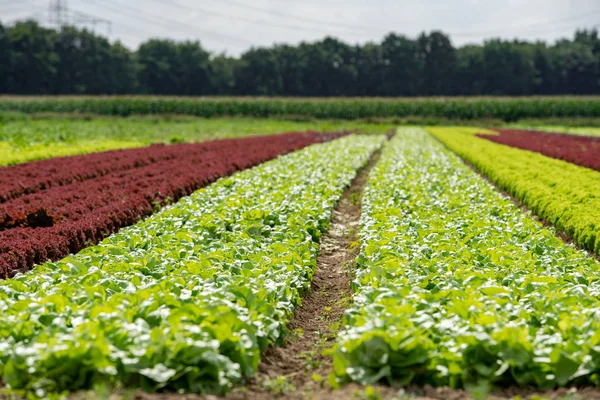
(351,27)
(62,15)
(12,2)
(35,15)
(219,36)
(260,22)
(11,12)
(128,27)
(137,13)
(10,5)
(58,15)
(554,22)
(263,22)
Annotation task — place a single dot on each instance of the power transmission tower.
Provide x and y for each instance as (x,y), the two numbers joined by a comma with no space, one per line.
(59,15)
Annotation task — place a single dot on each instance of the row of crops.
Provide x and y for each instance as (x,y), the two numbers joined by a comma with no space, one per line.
(26,138)
(454,284)
(508,109)
(580,150)
(188,298)
(85,198)
(561,193)
(457,286)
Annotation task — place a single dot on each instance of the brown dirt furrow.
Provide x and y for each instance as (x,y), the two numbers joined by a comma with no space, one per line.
(299,367)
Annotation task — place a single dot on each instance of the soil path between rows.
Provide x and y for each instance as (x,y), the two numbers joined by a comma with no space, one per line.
(299,368)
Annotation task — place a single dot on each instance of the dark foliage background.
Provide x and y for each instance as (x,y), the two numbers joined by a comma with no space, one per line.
(38,60)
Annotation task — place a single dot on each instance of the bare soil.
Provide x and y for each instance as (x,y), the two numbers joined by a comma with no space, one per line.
(357,392)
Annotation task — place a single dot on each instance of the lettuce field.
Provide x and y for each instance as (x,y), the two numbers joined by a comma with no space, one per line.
(156,257)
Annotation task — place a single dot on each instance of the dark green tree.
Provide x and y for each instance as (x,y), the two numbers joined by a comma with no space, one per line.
(330,69)
(222,78)
(545,80)
(257,73)
(192,69)
(6,63)
(122,73)
(576,68)
(157,67)
(370,68)
(33,60)
(468,75)
(403,66)
(508,68)
(291,64)
(439,58)
(88,63)
(38,60)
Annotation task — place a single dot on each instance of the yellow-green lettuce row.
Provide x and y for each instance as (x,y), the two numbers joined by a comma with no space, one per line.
(563,194)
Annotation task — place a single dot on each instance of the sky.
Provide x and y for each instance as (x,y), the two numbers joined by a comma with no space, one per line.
(233,26)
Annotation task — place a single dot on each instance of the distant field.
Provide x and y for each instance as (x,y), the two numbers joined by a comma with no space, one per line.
(504,108)
(23,139)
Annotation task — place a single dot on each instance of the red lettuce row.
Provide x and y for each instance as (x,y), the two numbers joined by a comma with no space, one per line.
(66,217)
(34,177)
(153,183)
(580,150)
(19,180)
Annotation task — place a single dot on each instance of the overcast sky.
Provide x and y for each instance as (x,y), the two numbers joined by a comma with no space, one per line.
(235,25)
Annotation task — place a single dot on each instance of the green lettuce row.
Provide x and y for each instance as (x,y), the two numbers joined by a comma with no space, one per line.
(563,194)
(457,286)
(187,299)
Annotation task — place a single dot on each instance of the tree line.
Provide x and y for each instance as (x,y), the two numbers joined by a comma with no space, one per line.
(39,60)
